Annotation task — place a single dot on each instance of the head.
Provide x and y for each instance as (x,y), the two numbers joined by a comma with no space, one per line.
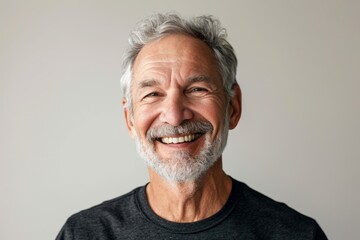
(205,28)
(180,93)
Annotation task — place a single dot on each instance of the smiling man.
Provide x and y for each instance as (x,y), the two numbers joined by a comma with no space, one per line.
(180,100)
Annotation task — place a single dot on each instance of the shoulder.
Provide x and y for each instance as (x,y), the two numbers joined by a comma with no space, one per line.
(266,206)
(122,203)
(97,219)
(274,218)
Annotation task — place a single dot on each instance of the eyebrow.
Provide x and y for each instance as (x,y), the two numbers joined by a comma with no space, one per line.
(148,83)
(153,82)
(200,78)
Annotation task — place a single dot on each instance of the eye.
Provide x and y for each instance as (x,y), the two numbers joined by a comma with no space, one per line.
(197,91)
(151,95)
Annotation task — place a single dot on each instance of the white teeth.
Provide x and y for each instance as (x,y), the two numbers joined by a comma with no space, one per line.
(187,138)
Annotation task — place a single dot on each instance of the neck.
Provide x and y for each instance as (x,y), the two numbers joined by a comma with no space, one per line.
(189,201)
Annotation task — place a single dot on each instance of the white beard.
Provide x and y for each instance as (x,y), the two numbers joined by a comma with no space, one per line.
(182,166)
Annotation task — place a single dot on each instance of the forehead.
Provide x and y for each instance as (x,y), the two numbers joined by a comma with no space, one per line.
(181,53)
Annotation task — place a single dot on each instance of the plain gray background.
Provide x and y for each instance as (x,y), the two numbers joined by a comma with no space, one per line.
(63,141)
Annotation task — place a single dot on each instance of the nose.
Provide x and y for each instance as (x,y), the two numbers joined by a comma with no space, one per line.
(175,110)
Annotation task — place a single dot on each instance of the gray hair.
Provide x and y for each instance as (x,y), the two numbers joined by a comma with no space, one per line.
(206,28)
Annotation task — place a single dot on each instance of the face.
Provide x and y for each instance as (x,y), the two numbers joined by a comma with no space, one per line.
(180,116)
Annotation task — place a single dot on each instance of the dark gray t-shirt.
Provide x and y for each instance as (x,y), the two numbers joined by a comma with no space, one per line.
(246,215)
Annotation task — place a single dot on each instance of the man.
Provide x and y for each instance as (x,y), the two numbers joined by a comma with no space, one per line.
(180,100)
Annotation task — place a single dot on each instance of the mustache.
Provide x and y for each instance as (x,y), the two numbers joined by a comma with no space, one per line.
(185,127)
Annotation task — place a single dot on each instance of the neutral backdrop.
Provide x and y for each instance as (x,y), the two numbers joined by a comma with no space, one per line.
(63,142)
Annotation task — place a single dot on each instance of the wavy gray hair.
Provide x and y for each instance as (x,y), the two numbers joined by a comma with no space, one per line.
(206,28)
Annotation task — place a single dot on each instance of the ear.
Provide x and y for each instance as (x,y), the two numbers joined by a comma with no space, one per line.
(235,107)
(128,119)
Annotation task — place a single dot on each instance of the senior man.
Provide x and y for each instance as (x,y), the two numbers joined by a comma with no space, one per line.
(180,100)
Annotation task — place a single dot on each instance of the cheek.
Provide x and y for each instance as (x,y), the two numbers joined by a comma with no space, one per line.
(214,112)
(144,117)
(213,108)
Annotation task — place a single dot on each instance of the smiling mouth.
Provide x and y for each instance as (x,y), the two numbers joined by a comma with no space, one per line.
(181,139)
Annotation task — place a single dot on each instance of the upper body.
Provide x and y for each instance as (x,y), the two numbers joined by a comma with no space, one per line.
(247,215)
(180,100)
